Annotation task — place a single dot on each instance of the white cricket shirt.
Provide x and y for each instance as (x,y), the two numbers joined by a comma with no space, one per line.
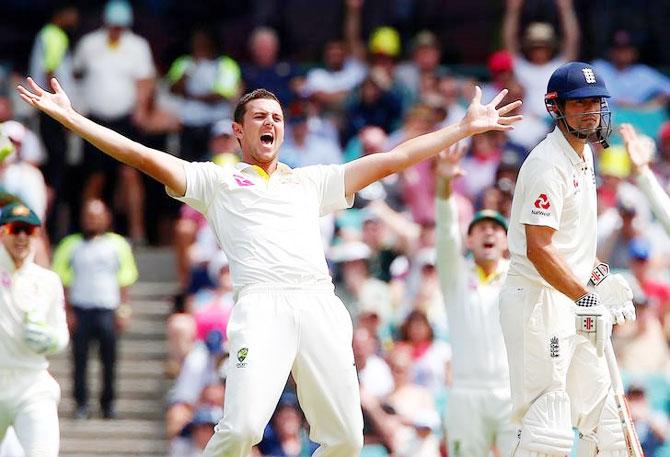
(268,228)
(33,289)
(479,359)
(555,188)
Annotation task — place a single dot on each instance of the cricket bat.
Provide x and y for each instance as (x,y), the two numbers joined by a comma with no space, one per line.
(630,435)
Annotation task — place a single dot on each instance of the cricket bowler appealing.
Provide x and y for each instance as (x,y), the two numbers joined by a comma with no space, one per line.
(32,326)
(555,322)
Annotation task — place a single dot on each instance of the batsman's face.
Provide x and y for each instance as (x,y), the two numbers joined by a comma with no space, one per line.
(18,239)
(583,114)
(261,132)
(487,241)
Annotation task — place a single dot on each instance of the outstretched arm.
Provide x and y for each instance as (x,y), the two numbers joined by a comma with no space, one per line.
(161,166)
(448,236)
(479,118)
(640,150)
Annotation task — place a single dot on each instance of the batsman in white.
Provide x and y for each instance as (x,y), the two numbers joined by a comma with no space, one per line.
(480,407)
(265,215)
(32,326)
(555,324)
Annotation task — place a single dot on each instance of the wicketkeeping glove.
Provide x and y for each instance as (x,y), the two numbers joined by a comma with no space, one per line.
(38,336)
(592,320)
(615,293)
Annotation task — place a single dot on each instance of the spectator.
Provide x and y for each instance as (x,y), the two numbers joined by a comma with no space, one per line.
(202,367)
(302,147)
(96,267)
(265,70)
(19,176)
(646,280)
(199,430)
(425,53)
(356,288)
(430,357)
(417,182)
(536,56)
(641,347)
(661,164)
(342,71)
(118,76)
(373,372)
(50,57)
(408,398)
(373,103)
(207,84)
(631,84)
(24,181)
(286,436)
(652,427)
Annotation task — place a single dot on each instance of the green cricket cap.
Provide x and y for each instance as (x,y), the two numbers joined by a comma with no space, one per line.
(488,214)
(18,212)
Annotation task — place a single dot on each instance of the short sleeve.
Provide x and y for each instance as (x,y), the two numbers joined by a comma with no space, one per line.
(203,180)
(329,182)
(542,194)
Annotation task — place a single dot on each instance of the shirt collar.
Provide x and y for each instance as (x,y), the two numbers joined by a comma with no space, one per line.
(243,166)
(559,140)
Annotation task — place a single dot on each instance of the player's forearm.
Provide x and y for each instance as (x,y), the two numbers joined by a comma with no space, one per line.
(368,169)
(658,199)
(550,265)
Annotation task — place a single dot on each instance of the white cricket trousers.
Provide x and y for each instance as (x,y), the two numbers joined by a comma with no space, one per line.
(29,402)
(273,332)
(546,355)
(478,419)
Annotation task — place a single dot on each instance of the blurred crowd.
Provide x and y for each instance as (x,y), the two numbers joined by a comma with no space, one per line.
(370,90)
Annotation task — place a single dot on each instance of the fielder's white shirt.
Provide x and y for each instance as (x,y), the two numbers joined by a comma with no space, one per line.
(109,87)
(33,289)
(478,348)
(268,228)
(555,188)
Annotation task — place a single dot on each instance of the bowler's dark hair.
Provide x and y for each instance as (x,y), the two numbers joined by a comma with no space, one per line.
(241,107)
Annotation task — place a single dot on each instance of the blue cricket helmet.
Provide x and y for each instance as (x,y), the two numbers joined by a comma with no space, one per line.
(575,80)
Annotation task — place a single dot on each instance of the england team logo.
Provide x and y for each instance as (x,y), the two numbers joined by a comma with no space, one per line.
(589,76)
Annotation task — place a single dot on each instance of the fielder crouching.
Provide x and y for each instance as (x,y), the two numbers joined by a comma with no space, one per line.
(555,324)
(32,326)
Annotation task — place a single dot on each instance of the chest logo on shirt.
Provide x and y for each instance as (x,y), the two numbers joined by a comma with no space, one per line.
(5,279)
(242,181)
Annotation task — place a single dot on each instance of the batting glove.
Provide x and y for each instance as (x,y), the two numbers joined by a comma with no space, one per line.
(38,336)
(615,293)
(592,320)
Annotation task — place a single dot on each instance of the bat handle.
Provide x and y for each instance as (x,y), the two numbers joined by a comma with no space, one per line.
(613,366)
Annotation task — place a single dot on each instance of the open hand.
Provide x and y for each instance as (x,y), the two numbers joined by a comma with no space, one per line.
(640,148)
(448,162)
(482,118)
(56,104)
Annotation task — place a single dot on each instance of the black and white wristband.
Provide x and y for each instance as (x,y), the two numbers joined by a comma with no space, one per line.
(588,299)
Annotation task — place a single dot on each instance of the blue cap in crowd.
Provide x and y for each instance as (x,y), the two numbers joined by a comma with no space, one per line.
(639,249)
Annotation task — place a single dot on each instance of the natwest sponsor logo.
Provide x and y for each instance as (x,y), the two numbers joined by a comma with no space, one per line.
(542,202)
(542,206)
